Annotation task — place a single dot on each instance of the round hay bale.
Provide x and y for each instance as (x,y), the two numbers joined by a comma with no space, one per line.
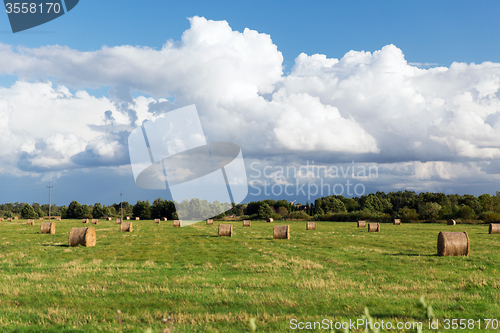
(361,224)
(453,244)
(58,218)
(270,220)
(126,226)
(310,225)
(494,228)
(128,217)
(210,222)
(48,228)
(137,218)
(246,223)
(95,221)
(1,219)
(85,221)
(374,227)
(281,232)
(109,218)
(15,217)
(226,230)
(82,236)
(165,219)
(157,221)
(118,221)
(451,222)
(40,219)
(177,223)
(30,222)
(397,222)
(9,219)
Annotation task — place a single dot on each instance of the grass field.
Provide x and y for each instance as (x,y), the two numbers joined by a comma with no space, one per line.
(203,283)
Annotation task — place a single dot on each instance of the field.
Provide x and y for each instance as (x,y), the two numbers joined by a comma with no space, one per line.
(190,280)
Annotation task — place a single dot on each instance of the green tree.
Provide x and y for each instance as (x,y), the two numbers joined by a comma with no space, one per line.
(408,214)
(430,210)
(265,211)
(98,211)
(28,212)
(77,211)
(142,210)
(466,212)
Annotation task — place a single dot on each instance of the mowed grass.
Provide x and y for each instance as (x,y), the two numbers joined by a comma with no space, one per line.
(206,283)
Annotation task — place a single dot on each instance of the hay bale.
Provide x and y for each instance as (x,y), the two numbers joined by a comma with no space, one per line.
(128,217)
(58,218)
(157,221)
(165,219)
(137,218)
(453,244)
(9,219)
(281,232)
(82,236)
(30,222)
(397,222)
(15,217)
(451,222)
(95,221)
(361,223)
(85,221)
(48,228)
(1,219)
(177,223)
(246,223)
(226,230)
(494,228)
(210,222)
(40,219)
(118,221)
(126,226)
(310,225)
(109,218)
(374,227)
(270,220)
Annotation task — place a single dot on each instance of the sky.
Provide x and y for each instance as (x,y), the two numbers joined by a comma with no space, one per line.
(329,97)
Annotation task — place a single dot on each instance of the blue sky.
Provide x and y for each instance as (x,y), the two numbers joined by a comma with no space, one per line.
(421,103)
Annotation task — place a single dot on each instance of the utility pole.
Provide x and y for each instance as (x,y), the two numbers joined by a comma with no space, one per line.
(121,205)
(49,199)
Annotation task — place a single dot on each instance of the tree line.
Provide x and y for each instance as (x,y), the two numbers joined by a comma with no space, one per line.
(405,205)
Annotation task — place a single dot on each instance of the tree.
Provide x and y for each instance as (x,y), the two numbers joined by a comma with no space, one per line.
(430,210)
(142,210)
(28,212)
(408,214)
(466,212)
(98,211)
(265,211)
(377,204)
(77,211)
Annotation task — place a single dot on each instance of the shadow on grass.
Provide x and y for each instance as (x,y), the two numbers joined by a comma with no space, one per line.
(56,245)
(410,254)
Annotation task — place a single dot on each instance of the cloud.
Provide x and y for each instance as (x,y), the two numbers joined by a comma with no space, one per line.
(367,106)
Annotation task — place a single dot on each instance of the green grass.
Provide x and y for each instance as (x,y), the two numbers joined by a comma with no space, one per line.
(205,283)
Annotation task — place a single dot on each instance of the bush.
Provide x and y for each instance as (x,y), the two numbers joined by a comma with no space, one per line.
(489,217)
(276,217)
(298,216)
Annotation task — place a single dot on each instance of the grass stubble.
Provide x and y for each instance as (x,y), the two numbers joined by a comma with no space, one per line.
(190,280)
